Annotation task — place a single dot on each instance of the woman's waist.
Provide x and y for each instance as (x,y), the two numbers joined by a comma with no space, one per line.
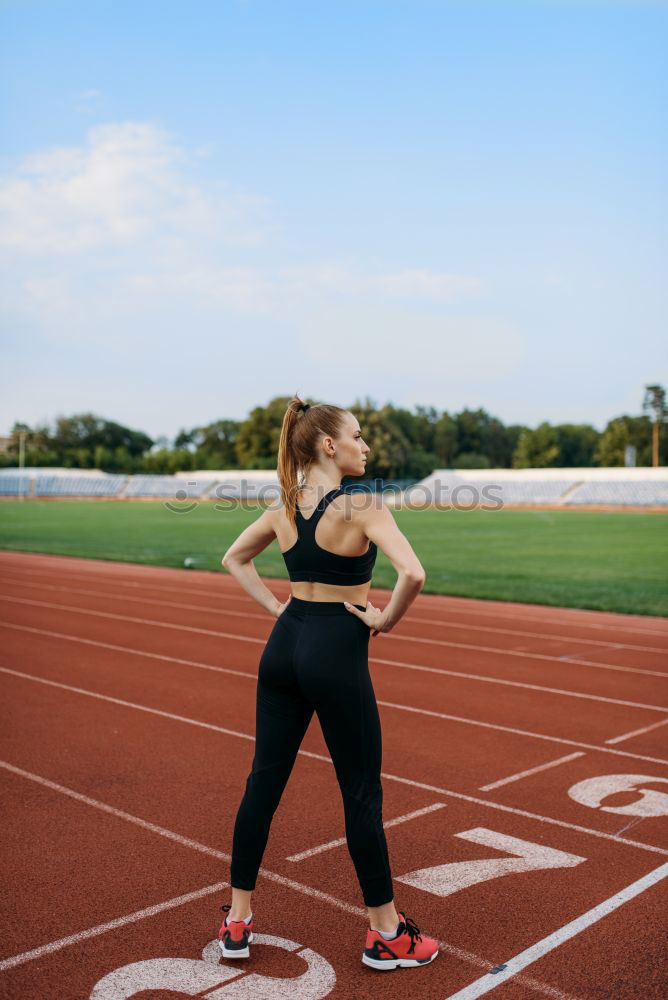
(316,607)
(317,590)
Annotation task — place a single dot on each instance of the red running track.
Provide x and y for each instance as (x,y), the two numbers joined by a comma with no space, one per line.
(525,776)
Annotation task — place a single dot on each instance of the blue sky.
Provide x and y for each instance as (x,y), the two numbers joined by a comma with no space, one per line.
(452,204)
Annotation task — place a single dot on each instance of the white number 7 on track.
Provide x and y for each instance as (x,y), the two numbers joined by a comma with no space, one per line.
(443,880)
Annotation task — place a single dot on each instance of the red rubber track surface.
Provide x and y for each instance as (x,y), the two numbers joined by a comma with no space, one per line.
(128,732)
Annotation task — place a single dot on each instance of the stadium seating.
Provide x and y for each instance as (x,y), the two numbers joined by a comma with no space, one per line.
(458,487)
(13,486)
(79,486)
(167,486)
(638,493)
(623,487)
(462,488)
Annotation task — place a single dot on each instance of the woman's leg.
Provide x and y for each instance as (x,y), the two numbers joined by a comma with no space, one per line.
(281,719)
(241,904)
(332,665)
(383,918)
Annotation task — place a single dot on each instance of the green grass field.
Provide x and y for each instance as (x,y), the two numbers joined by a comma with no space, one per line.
(575,559)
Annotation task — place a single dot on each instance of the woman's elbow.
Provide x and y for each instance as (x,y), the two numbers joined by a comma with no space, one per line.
(233,563)
(417,575)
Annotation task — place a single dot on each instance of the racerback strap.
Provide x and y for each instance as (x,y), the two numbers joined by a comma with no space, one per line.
(308,524)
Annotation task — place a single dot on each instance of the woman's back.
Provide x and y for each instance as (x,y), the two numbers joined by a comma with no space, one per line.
(328,549)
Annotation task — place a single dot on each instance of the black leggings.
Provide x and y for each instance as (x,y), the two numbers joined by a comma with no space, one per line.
(316,658)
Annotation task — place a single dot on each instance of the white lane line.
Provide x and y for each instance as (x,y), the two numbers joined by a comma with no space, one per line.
(130,704)
(465,956)
(321,848)
(519,732)
(432,670)
(634,822)
(384,774)
(395,663)
(521,684)
(405,708)
(530,771)
(516,612)
(110,925)
(426,602)
(207,609)
(545,657)
(156,623)
(524,634)
(132,650)
(506,970)
(575,656)
(413,619)
(136,621)
(637,732)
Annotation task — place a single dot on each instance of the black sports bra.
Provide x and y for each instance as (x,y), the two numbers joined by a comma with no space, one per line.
(305,560)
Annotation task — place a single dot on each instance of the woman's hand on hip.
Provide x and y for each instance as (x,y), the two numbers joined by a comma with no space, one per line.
(280,608)
(373,617)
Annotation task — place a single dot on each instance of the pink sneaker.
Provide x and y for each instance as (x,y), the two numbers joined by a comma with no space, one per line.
(234,936)
(408,947)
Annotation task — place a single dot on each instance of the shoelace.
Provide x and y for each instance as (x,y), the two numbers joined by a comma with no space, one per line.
(413,931)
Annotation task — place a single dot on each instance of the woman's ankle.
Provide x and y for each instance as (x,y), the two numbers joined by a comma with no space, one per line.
(384,918)
(241,906)
(387,925)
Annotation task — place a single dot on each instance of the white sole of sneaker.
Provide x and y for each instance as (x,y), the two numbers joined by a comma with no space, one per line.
(393,963)
(238,952)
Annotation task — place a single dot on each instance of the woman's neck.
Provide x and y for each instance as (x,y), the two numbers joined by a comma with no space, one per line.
(318,489)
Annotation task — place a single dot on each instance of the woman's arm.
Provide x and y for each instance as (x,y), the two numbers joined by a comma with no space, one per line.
(238,560)
(381,528)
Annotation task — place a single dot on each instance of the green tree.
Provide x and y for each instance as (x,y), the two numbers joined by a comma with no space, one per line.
(621,432)
(216,445)
(167,461)
(480,434)
(471,460)
(654,403)
(537,449)
(445,440)
(577,445)
(256,443)
(39,449)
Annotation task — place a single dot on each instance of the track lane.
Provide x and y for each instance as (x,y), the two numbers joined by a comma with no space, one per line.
(123,670)
(498,906)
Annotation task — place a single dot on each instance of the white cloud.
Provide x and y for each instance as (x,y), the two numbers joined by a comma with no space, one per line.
(427,285)
(241,289)
(115,241)
(124,187)
(87,101)
(289,289)
(433,347)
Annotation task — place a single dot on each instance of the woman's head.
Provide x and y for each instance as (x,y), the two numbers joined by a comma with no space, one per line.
(317,435)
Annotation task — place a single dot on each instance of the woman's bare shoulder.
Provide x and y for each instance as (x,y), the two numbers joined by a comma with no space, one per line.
(355,504)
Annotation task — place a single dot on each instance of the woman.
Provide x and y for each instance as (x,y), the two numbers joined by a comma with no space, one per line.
(316,659)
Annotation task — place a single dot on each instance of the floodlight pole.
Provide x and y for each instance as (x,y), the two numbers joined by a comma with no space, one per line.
(22,452)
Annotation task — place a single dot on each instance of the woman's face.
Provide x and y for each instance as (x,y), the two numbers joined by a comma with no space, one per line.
(350,448)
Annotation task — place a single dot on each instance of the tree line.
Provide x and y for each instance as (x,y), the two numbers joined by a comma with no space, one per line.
(405,444)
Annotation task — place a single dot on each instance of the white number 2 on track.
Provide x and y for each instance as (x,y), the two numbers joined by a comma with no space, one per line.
(195,977)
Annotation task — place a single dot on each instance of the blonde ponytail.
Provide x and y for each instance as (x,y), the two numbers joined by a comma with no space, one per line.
(302,425)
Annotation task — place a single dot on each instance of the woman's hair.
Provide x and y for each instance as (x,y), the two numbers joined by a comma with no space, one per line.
(303,425)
